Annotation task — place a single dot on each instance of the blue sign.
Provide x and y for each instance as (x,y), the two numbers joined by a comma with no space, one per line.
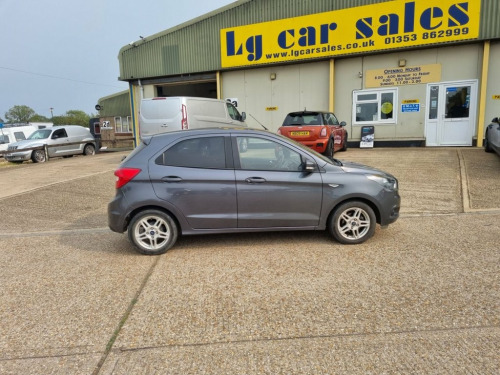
(1,125)
(410,107)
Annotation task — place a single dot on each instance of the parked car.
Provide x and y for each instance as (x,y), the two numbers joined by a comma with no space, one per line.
(318,130)
(166,114)
(65,140)
(201,182)
(14,134)
(492,137)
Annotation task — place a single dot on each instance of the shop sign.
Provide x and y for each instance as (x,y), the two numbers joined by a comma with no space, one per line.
(271,108)
(375,27)
(410,75)
(496,97)
(410,107)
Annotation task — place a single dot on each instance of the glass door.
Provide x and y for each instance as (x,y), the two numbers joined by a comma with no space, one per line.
(451,113)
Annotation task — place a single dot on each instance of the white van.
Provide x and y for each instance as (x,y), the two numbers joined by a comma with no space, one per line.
(166,114)
(14,134)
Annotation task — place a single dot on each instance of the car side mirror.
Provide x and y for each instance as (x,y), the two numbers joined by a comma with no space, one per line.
(343,123)
(309,166)
(243,116)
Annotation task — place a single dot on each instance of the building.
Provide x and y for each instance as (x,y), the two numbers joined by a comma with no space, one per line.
(420,72)
(113,128)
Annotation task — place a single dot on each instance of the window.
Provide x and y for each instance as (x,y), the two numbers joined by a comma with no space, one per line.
(60,133)
(330,119)
(122,125)
(206,152)
(374,106)
(19,136)
(265,155)
(233,112)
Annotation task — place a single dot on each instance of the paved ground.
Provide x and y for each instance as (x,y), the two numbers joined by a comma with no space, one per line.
(421,297)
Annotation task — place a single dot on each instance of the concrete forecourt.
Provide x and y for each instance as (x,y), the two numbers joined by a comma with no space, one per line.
(421,297)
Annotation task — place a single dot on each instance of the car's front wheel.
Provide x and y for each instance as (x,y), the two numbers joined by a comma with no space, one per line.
(352,223)
(487,146)
(38,156)
(344,146)
(152,232)
(89,150)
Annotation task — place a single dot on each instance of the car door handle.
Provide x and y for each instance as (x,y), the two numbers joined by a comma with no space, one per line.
(171,179)
(255,180)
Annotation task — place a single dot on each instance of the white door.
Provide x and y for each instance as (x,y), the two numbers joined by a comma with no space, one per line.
(451,113)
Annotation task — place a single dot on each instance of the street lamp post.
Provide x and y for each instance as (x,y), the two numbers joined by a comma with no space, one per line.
(51,113)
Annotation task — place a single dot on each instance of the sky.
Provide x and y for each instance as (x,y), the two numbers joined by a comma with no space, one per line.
(64,54)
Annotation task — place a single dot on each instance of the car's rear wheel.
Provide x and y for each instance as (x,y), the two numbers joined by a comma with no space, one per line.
(329,149)
(352,223)
(152,232)
(38,156)
(89,150)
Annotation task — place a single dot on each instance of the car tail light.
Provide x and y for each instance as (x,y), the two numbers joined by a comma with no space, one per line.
(124,175)
(184,122)
(323,133)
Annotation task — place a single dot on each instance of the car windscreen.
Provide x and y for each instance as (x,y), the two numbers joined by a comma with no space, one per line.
(40,134)
(301,119)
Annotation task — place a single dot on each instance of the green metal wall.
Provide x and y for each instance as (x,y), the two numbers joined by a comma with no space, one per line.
(194,47)
(115,105)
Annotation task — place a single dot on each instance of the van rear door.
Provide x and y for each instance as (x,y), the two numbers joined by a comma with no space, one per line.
(160,115)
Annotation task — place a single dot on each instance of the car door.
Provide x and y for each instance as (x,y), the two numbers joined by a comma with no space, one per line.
(272,189)
(58,143)
(193,176)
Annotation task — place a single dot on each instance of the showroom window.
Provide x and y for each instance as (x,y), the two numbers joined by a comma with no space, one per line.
(374,106)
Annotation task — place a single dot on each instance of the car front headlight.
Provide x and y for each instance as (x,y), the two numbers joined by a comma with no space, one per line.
(388,183)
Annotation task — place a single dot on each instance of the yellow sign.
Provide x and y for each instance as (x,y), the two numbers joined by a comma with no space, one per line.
(375,27)
(496,97)
(271,108)
(410,101)
(409,75)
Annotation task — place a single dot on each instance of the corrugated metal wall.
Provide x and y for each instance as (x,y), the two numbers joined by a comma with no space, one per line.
(195,46)
(115,105)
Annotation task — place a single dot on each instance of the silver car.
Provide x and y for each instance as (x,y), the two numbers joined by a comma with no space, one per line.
(64,140)
(492,137)
(203,181)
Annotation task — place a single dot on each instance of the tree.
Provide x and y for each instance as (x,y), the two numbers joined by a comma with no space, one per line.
(39,118)
(19,113)
(72,117)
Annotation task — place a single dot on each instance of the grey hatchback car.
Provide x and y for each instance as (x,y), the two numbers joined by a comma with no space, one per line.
(222,180)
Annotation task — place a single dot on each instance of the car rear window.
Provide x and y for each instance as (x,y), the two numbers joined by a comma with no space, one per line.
(205,152)
(296,119)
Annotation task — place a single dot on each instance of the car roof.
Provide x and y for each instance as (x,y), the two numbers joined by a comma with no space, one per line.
(306,113)
(205,131)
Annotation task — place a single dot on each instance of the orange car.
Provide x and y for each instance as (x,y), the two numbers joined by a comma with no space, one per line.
(318,130)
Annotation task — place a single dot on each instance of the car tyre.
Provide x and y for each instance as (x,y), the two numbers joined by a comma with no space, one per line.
(352,222)
(153,232)
(344,146)
(487,146)
(88,150)
(329,149)
(38,156)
